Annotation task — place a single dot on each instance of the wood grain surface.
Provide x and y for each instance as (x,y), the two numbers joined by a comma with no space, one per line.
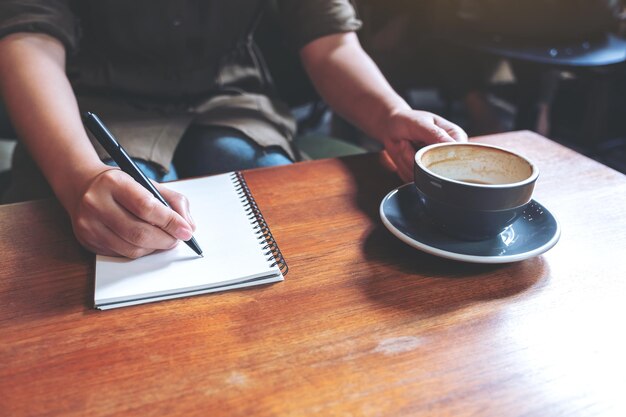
(363,325)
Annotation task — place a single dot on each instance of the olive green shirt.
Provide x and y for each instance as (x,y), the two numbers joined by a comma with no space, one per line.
(151,68)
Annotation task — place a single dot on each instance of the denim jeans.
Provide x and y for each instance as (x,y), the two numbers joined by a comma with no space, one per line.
(210,150)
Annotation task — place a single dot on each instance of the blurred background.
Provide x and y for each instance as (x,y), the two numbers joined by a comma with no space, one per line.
(552,66)
(556,67)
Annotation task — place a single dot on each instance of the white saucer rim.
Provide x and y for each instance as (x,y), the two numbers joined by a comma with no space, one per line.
(500,259)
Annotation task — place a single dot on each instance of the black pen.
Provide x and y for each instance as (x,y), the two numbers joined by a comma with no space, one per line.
(126,164)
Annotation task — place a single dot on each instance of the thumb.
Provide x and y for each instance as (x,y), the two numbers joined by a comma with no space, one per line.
(178,202)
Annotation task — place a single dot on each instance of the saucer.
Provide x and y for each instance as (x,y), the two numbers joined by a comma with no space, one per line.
(531,235)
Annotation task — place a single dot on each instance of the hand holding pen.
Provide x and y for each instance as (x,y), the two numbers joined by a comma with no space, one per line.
(133,221)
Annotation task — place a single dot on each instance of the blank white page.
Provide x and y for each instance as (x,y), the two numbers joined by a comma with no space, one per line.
(232,251)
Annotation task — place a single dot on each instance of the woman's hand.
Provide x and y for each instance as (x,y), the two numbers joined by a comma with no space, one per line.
(408,130)
(355,88)
(118,217)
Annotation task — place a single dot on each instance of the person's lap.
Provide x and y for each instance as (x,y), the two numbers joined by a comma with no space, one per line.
(209,150)
(203,151)
(213,150)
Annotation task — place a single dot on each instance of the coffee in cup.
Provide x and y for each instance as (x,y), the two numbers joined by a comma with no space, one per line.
(473,191)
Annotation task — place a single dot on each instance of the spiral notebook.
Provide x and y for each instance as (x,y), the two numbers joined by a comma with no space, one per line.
(238,247)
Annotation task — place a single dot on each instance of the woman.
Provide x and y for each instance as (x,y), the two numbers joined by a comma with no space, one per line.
(178,81)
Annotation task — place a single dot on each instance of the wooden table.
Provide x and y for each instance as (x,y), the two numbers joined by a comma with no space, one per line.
(364,325)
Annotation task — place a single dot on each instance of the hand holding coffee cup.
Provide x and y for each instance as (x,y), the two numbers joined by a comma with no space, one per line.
(473,191)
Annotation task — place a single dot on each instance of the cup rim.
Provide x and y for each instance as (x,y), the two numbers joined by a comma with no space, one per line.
(531,178)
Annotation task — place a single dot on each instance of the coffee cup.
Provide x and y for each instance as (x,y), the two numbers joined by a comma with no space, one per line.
(473,191)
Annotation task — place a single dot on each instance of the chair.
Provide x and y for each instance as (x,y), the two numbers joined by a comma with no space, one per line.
(598,60)
(540,37)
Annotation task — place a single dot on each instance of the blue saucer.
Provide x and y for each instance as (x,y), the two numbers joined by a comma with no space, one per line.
(531,235)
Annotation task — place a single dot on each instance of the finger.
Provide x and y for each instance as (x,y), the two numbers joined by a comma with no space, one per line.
(141,203)
(428,133)
(405,168)
(124,224)
(119,246)
(454,131)
(178,203)
(100,239)
(403,155)
(137,232)
(436,134)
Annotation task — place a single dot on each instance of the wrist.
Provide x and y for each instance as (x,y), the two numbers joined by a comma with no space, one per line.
(70,185)
(387,117)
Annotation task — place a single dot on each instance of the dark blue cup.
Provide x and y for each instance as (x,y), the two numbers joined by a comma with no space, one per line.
(473,191)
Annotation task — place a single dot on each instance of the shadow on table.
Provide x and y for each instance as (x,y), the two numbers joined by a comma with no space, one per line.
(431,285)
(419,281)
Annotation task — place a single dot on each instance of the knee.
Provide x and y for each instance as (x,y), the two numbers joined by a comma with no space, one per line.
(244,153)
(212,151)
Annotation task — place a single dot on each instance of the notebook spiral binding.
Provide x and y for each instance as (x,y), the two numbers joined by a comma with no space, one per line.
(263,232)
